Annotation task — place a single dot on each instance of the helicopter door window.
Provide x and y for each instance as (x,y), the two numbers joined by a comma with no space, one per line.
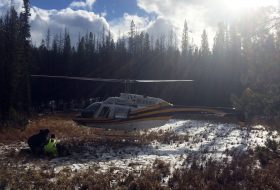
(121,113)
(104,113)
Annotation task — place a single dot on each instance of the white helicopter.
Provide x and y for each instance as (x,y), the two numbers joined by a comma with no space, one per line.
(132,111)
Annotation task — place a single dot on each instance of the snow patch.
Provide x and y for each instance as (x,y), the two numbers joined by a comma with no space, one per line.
(205,140)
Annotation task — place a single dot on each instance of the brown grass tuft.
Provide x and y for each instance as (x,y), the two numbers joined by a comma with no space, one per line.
(62,127)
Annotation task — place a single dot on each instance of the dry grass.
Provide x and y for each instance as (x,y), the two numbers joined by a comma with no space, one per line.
(241,173)
(268,123)
(39,179)
(62,127)
(166,137)
(66,129)
(14,176)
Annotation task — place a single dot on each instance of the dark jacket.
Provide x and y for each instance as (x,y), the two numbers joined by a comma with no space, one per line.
(36,142)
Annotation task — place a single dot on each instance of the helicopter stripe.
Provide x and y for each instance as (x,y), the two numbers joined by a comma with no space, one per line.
(94,120)
(148,109)
(113,122)
(172,110)
(121,120)
(151,115)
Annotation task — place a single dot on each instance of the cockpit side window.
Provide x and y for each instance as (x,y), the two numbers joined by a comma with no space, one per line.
(104,113)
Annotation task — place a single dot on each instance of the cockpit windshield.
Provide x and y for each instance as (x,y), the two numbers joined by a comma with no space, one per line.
(93,107)
(91,110)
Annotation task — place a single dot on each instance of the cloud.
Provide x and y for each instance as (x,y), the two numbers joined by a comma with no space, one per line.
(88,4)
(164,16)
(156,28)
(121,26)
(201,14)
(75,21)
(176,12)
(160,27)
(5,5)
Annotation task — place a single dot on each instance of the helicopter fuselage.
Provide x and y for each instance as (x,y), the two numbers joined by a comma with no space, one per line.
(127,112)
(131,112)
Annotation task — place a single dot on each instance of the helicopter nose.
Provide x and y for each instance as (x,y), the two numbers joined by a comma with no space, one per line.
(78,121)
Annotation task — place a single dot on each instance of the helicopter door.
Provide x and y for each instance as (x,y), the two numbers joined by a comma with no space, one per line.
(121,113)
(105,112)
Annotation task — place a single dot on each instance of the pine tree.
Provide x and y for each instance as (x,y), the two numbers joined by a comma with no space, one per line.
(146,43)
(91,44)
(132,35)
(15,33)
(204,49)
(66,52)
(185,39)
(219,47)
(55,44)
(48,39)
(25,80)
(261,57)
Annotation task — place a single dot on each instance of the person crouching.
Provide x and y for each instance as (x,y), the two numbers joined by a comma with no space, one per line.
(36,142)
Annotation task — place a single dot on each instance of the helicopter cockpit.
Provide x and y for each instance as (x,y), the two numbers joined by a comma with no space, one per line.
(91,110)
(105,111)
(119,107)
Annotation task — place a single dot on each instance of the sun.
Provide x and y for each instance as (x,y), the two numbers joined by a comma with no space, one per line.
(239,6)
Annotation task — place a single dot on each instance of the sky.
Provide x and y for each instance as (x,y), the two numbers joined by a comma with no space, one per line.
(157,17)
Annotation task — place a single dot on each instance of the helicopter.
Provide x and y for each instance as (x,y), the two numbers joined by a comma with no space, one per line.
(133,111)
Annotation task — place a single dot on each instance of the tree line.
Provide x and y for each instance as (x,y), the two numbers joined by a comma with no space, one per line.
(15,50)
(141,56)
(241,68)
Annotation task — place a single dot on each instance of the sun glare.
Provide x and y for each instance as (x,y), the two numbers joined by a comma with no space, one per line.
(239,6)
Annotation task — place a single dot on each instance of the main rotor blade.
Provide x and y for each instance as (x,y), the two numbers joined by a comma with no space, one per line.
(163,81)
(109,80)
(79,78)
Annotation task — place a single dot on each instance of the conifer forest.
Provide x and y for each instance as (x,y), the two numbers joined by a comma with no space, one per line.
(241,69)
(176,134)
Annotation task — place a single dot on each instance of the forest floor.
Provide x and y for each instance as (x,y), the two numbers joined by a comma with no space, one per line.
(194,154)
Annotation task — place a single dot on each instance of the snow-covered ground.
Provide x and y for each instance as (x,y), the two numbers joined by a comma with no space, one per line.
(199,140)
